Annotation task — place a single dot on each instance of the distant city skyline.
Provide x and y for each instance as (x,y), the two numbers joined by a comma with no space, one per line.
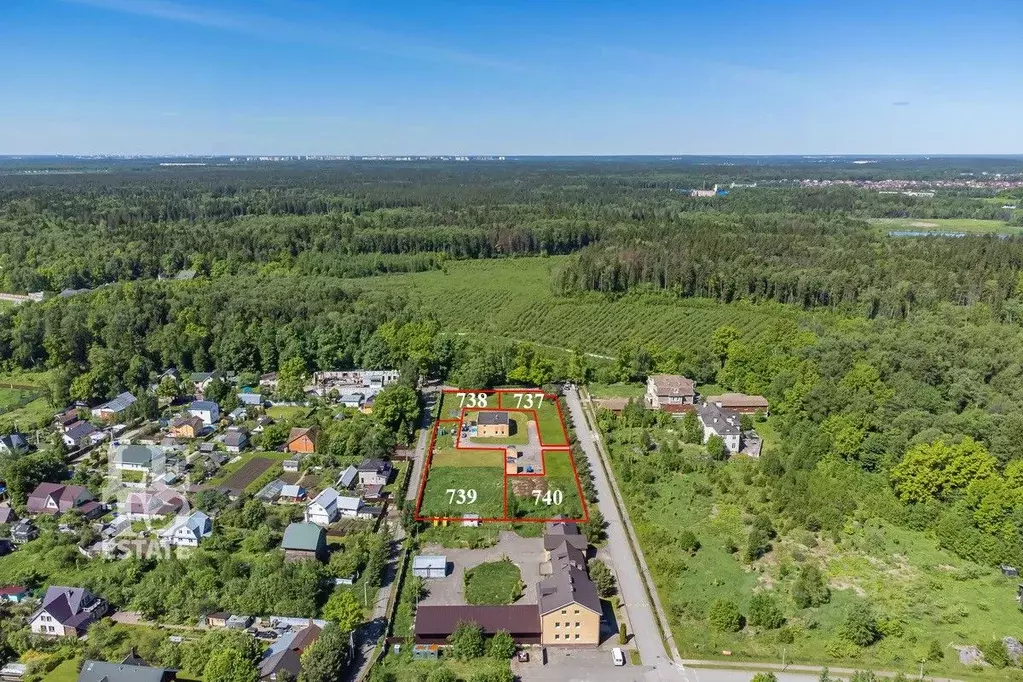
(525,78)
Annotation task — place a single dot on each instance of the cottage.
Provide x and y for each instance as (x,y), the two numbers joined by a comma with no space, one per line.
(373,492)
(670,392)
(111,411)
(236,440)
(206,410)
(292,464)
(216,619)
(14,594)
(187,426)
(146,458)
(323,510)
(130,670)
(188,532)
(347,477)
(13,672)
(430,567)
(375,472)
(493,424)
(238,414)
(250,399)
(13,444)
(202,380)
(304,541)
(353,400)
(303,441)
(23,531)
(57,498)
(78,435)
(740,402)
(67,612)
(718,421)
(569,608)
(6,546)
(147,505)
(283,659)
(7,515)
(292,494)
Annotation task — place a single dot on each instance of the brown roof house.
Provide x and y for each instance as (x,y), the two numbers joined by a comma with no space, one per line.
(57,498)
(670,392)
(434,624)
(186,426)
(303,441)
(283,660)
(493,424)
(67,612)
(740,402)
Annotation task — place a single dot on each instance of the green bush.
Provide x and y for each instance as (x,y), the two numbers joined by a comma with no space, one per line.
(723,615)
(764,612)
(860,625)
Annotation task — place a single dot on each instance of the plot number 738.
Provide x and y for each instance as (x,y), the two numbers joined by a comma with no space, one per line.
(471,400)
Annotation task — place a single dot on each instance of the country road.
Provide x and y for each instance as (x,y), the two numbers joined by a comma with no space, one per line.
(630,581)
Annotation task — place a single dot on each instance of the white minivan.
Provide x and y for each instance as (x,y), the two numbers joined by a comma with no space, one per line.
(618,656)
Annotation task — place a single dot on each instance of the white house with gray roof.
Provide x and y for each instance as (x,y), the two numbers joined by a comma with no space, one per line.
(188,531)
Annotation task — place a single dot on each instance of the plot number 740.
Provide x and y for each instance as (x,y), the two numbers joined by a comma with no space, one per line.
(554,497)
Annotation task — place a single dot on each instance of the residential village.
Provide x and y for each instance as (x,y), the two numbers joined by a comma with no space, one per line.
(152,486)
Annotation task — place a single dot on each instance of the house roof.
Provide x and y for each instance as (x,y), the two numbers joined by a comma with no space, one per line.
(66,496)
(733,400)
(98,671)
(378,466)
(80,430)
(67,605)
(565,587)
(559,531)
(203,406)
(236,438)
(8,590)
(13,441)
(186,419)
(672,385)
(7,514)
(292,491)
(118,404)
(303,537)
(139,455)
(352,504)
(327,498)
(297,432)
(434,622)
(424,561)
(492,418)
(723,422)
(348,477)
(250,398)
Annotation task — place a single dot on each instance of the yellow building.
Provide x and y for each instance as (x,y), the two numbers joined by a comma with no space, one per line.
(493,425)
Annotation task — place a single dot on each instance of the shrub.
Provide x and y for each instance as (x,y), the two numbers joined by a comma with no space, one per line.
(810,588)
(994,653)
(860,625)
(764,612)
(688,542)
(723,615)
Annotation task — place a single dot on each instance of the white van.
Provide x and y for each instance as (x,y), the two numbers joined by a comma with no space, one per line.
(618,656)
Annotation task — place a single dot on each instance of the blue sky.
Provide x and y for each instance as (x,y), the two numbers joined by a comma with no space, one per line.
(509,77)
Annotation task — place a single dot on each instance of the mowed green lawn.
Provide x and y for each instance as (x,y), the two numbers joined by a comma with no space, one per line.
(457,491)
(452,403)
(553,494)
(495,582)
(551,431)
(22,401)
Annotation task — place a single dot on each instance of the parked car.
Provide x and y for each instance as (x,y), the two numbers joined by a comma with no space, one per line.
(618,656)
(523,657)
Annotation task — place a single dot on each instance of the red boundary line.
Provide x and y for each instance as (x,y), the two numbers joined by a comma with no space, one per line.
(566,447)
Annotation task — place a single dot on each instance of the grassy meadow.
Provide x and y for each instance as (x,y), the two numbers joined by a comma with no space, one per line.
(942,225)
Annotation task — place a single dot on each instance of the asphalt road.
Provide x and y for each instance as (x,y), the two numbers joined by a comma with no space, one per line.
(640,610)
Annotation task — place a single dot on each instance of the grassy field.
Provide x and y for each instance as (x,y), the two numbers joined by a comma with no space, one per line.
(481,471)
(496,582)
(940,225)
(558,491)
(287,413)
(521,306)
(452,403)
(617,390)
(22,402)
(920,593)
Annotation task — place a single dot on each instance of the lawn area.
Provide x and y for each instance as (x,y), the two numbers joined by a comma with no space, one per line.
(401,668)
(22,401)
(920,593)
(483,492)
(616,390)
(557,490)
(518,433)
(65,672)
(495,582)
(939,225)
(287,413)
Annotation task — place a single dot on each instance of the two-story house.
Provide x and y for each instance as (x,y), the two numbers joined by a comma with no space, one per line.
(670,392)
(67,612)
(718,421)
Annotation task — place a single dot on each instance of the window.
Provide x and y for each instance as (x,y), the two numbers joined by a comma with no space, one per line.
(577,636)
(577,623)
(577,611)
(557,624)
(557,636)
(564,611)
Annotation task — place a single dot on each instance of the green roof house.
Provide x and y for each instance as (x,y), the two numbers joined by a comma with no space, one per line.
(304,541)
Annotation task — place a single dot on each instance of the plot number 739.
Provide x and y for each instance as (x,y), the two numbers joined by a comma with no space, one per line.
(461,496)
